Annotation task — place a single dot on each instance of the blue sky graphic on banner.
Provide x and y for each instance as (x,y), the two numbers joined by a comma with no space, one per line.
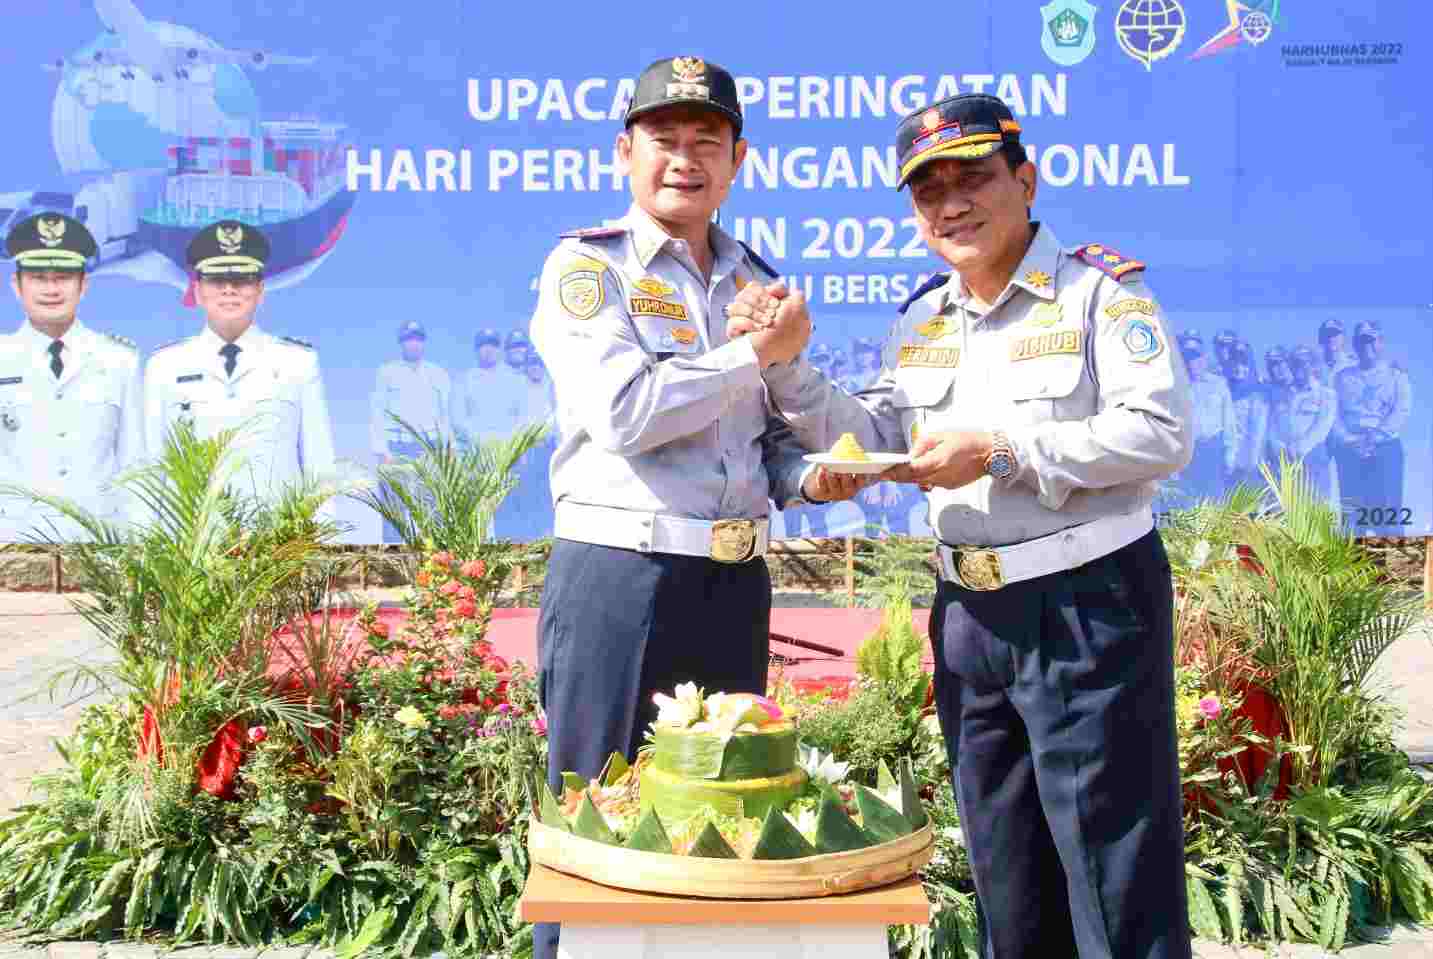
(1268,160)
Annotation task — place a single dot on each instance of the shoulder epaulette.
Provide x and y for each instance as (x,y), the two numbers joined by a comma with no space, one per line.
(1107,261)
(165,346)
(758,261)
(297,342)
(121,340)
(936,281)
(594,233)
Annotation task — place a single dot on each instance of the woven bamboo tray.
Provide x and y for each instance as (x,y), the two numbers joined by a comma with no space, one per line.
(813,876)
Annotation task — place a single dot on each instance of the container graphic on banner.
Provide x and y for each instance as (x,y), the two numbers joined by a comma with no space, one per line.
(166,129)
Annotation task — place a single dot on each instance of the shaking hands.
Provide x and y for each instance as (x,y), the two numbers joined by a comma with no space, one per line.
(776,319)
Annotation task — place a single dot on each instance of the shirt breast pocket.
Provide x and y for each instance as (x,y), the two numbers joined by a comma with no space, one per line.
(1047,388)
(662,335)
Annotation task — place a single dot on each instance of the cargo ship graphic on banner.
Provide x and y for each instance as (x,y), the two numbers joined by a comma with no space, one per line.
(158,132)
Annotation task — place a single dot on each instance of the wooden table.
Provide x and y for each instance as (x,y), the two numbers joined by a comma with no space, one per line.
(599,922)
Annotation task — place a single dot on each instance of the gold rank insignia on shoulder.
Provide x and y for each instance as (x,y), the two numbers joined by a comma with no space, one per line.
(121,340)
(655,286)
(945,356)
(651,306)
(1045,314)
(1046,344)
(579,289)
(1108,262)
(1038,278)
(934,328)
(1133,304)
(296,341)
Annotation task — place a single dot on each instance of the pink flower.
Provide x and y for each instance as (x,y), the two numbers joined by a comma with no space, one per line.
(450,588)
(465,608)
(379,629)
(467,592)
(539,726)
(474,568)
(505,708)
(1210,707)
(258,734)
(443,558)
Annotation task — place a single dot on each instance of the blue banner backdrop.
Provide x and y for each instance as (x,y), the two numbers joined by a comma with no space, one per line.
(1268,160)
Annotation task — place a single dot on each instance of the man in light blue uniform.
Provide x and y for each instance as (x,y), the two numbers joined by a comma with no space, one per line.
(1300,420)
(418,392)
(1214,424)
(1374,401)
(488,397)
(1046,403)
(1251,419)
(667,451)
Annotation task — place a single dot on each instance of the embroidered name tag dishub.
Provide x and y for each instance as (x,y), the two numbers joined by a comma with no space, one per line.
(1046,344)
(190,378)
(943,356)
(651,306)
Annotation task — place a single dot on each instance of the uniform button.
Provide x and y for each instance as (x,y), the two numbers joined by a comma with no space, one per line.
(642,545)
(64,472)
(647,523)
(63,435)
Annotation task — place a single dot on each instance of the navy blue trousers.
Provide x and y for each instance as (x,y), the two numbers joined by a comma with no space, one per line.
(617,626)
(1056,698)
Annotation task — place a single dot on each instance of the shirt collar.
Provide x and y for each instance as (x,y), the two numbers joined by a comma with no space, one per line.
(35,340)
(249,339)
(1035,274)
(649,239)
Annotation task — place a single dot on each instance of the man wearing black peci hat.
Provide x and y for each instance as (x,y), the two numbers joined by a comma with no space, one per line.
(1042,402)
(667,454)
(71,409)
(234,375)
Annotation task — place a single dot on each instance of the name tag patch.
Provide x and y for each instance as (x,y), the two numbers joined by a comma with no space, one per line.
(651,306)
(939,356)
(12,380)
(1120,308)
(189,378)
(1046,344)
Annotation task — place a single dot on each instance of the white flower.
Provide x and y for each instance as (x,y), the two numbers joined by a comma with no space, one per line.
(1200,554)
(682,711)
(822,768)
(729,713)
(805,823)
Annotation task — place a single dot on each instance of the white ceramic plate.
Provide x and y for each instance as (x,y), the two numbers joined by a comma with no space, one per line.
(878,463)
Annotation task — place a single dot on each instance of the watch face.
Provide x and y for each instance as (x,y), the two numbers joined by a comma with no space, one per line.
(1001,465)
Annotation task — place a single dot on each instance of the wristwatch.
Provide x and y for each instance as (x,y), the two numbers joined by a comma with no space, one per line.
(1000,463)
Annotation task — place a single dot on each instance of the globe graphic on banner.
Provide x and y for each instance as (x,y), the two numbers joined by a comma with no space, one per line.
(1149,30)
(120,118)
(1256,27)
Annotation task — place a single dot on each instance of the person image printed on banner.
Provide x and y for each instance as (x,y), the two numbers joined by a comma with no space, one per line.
(1251,419)
(667,453)
(419,393)
(1375,400)
(487,400)
(1279,391)
(533,515)
(1336,354)
(1213,460)
(233,375)
(70,396)
(1300,421)
(511,521)
(1042,401)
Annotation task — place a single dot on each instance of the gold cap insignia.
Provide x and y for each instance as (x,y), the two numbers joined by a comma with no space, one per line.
(689,69)
(931,120)
(230,238)
(52,230)
(933,328)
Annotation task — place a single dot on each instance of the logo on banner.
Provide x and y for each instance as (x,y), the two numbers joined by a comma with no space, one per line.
(1069,36)
(1250,23)
(1150,30)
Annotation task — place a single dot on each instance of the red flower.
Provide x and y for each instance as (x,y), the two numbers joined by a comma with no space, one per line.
(379,629)
(496,663)
(422,579)
(220,762)
(467,592)
(465,608)
(443,558)
(450,588)
(258,734)
(474,568)
(482,649)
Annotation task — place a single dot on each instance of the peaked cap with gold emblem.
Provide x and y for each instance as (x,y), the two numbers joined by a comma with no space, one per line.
(50,241)
(228,248)
(686,81)
(970,126)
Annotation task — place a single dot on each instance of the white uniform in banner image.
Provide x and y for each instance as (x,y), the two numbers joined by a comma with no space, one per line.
(1301,418)
(70,397)
(236,376)
(487,399)
(415,390)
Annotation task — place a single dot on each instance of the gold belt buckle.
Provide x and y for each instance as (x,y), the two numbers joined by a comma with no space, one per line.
(979,569)
(733,540)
